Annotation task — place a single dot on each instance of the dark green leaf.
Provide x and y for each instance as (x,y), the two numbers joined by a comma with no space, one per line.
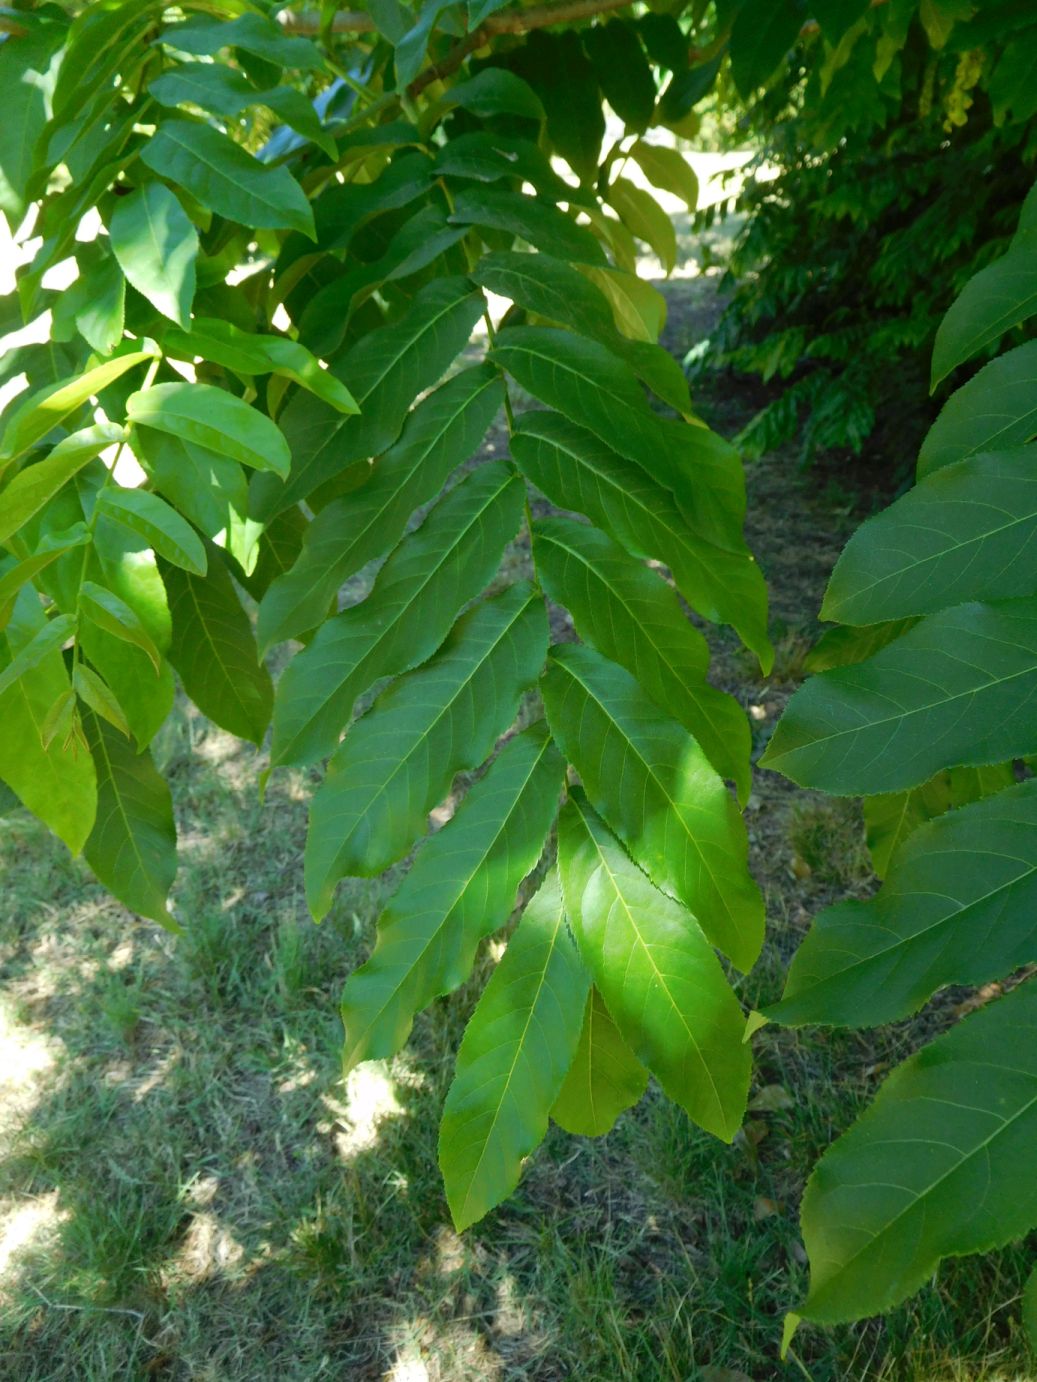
(763,32)
(954,690)
(132,847)
(999,297)
(214,651)
(622,71)
(995,410)
(212,418)
(536,221)
(255,33)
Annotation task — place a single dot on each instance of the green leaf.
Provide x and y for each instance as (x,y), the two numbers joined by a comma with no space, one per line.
(837,16)
(644,217)
(632,617)
(587,384)
(415,599)
(668,170)
(536,221)
(57,785)
(144,699)
(995,410)
(966,532)
(513,1060)
(578,472)
(113,615)
(622,71)
(651,781)
(223,91)
(101,699)
(891,817)
(250,353)
(496,91)
(954,690)
(999,297)
(209,489)
(255,33)
(26,74)
(551,288)
(213,418)
(959,906)
(157,523)
(12,580)
(763,32)
(488,157)
(940,1165)
(226,179)
(442,431)
(95,304)
(461,887)
(559,71)
(36,485)
(157,249)
(42,411)
(384,371)
(605,1078)
(214,651)
(842,645)
(661,981)
(132,847)
(398,760)
(48,639)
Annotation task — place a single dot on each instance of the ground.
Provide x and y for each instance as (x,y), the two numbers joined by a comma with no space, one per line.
(187,1191)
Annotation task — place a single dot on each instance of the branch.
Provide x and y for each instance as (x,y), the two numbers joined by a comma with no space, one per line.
(506,22)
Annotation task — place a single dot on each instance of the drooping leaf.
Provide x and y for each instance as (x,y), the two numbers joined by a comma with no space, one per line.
(954,690)
(114,616)
(668,170)
(215,419)
(940,1165)
(513,1060)
(27,77)
(496,91)
(631,616)
(957,907)
(58,785)
(224,91)
(605,1078)
(15,577)
(37,484)
(255,33)
(557,68)
(995,410)
(844,644)
(1030,1308)
(399,759)
(644,217)
(384,372)
(94,692)
(578,472)
(47,640)
(157,523)
(486,157)
(157,249)
(658,974)
(443,430)
(132,847)
(414,602)
(250,353)
(226,179)
(95,305)
(214,651)
(622,71)
(461,887)
(653,784)
(966,532)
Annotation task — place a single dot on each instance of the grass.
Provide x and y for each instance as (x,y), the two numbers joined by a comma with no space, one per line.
(187,1191)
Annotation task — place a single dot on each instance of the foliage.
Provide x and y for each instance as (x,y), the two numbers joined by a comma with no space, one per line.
(890,158)
(264,383)
(934,729)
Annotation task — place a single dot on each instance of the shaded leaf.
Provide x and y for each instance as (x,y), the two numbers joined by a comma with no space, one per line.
(157,249)
(995,410)
(213,418)
(157,523)
(605,1078)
